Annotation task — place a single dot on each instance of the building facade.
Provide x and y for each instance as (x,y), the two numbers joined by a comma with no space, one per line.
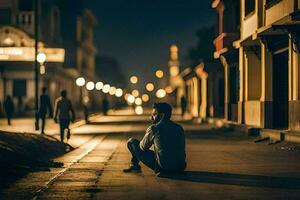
(227,32)
(17,56)
(268,64)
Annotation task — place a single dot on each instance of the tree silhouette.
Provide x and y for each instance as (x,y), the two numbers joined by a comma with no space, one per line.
(205,47)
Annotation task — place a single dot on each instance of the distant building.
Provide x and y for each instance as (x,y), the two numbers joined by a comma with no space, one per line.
(64,62)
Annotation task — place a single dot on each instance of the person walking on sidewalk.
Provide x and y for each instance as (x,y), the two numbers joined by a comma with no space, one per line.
(62,110)
(45,107)
(168,140)
(9,109)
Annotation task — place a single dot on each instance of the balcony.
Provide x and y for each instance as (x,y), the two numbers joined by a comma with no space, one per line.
(25,21)
(224,42)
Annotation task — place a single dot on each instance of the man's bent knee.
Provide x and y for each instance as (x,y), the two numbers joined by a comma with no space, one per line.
(132,142)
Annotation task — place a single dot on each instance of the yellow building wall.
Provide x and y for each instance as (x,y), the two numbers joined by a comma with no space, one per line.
(278,11)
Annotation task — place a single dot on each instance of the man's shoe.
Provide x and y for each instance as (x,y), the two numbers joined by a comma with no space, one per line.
(133,169)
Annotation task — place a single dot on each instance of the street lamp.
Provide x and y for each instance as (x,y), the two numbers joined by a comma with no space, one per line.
(41,58)
(80,82)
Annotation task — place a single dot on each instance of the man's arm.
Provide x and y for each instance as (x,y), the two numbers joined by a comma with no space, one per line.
(49,106)
(72,111)
(56,107)
(148,138)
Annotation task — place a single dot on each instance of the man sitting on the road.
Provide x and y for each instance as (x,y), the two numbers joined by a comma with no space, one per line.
(168,140)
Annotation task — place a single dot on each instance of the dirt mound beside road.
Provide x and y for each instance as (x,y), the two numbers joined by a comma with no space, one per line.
(21,153)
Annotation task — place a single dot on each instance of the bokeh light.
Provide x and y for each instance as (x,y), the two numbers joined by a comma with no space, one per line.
(150,87)
(169,89)
(145,97)
(139,110)
(112,90)
(131,99)
(138,101)
(119,92)
(99,85)
(90,85)
(133,79)
(106,88)
(161,93)
(135,93)
(80,81)
(159,73)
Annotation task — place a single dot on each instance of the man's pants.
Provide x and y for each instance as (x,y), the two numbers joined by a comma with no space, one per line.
(43,118)
(147,157)
(64,124)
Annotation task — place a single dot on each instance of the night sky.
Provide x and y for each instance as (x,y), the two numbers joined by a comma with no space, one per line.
(138,33)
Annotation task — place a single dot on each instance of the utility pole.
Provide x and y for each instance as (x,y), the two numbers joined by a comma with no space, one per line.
(36,64)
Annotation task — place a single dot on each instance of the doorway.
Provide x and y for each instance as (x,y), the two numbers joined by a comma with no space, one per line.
(280,90)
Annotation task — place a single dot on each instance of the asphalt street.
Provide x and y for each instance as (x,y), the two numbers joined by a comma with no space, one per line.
(221,165)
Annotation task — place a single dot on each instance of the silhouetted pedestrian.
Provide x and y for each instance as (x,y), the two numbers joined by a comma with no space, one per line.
(86,113)
(62,110)
(168,140)
(45,108)
(183,105)
(9,109)
(105,106)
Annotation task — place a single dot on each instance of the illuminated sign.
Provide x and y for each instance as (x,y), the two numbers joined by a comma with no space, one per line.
(27,54)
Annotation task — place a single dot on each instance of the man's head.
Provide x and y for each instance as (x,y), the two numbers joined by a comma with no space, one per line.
(44,90)
(161,111)
(63,93)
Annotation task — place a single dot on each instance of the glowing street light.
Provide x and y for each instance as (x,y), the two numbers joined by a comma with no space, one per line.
(135,93)
(119,92)
(106,88)
(90,85)
(99,85)
(150,87)
(139,110)
(161,93)
(159,73)
(145,97)
(138,101)
(112,90)
(80,81)
(41,58)
(133,79)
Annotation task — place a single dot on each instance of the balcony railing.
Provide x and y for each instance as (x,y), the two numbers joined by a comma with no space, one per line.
(24,20)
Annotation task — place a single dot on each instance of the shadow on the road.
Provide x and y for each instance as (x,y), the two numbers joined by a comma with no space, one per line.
(237,179)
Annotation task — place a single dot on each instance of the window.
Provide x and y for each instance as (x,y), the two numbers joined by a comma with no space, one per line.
(19,88)
(249,7)
(270,3)
(5,16)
